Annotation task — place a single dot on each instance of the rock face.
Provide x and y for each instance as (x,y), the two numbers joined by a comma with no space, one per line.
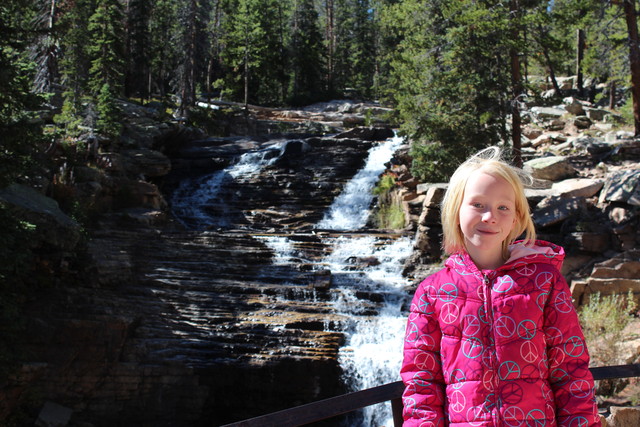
(291,192)
(197,323)
(179,327)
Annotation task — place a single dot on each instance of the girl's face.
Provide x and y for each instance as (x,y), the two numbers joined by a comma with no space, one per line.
(487,216)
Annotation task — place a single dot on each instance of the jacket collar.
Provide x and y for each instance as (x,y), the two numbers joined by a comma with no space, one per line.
(520,254)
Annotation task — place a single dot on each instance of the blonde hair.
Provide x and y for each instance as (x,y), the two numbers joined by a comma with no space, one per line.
(490,161)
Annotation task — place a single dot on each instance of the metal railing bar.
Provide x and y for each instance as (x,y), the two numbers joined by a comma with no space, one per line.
(327,408)
(338,405)
(617,371)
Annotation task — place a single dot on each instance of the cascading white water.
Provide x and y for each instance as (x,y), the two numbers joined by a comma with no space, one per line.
(191,198)
(369,265)
(373,352)
(350,210)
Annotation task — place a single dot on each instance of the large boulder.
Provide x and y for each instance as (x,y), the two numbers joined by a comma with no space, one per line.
(616,275)
(548,113)
(53,227)
(578,187)
(146,162)
(555,209)
(573,106)
(553,168)
(622,186)
(367,133)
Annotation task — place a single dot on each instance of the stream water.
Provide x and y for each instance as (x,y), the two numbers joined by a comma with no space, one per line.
(372,353)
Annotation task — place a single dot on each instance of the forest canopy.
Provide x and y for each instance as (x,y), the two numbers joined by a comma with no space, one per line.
(456,72)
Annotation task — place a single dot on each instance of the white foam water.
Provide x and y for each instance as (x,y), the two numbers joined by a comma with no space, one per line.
(350,210)
(191,198)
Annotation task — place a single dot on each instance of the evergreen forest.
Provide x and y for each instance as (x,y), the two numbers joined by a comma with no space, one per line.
(454,71)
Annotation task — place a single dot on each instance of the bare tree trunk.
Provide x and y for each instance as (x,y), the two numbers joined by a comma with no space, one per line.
(552,72)
(612,95)
(579,57)
(331,45)
(246,77)
(517,89)
(187,91)
(634,59)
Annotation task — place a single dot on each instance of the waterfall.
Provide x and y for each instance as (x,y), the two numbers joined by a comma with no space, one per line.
(193,200)
(373,352)
(367,287)
(350,210)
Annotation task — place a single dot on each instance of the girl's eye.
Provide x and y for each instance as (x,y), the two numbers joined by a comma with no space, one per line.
(504,208)
(476,205)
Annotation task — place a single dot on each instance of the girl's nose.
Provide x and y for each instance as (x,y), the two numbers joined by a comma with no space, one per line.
(488,216)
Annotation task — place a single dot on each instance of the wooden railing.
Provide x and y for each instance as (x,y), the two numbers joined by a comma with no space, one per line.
(334,406)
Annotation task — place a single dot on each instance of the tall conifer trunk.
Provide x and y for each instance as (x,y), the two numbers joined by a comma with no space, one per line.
(634,59)
(331,43)
(579,57)
(516,85)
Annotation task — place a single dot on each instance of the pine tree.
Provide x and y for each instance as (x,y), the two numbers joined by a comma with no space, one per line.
(193,16)
(46,48)
(354,57)
(74,60)
(244,41)
(137,47)
(163,56)
(451,79)
(271,76)
(19,132)
(106,74)
(255,37)
(215,69)
(307,55)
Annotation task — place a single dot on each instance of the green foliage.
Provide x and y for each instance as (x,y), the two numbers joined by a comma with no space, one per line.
(449,79)
(20,131)
(354,58)
(386,183)
(139,36)
(626,111)
(390,217)
(70,118)
(106,49)
(390,214)
(163,25)
(603,321)
(211,121)
(75,61)
(106,53)
(307,56)
(109,114)
(255,35)
(607,57)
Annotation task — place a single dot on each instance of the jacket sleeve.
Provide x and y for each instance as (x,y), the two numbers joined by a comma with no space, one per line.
(571,381)
(423,398)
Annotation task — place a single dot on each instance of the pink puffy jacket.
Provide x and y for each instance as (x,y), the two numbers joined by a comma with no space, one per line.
(497,347)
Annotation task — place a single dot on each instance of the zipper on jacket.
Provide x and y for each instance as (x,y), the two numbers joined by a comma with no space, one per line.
(492,356)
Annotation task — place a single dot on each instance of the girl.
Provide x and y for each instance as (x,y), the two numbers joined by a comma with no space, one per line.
(493,338)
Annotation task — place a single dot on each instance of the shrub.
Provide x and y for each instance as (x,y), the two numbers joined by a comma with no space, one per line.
(390,214)
(603,321)
(390,217)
